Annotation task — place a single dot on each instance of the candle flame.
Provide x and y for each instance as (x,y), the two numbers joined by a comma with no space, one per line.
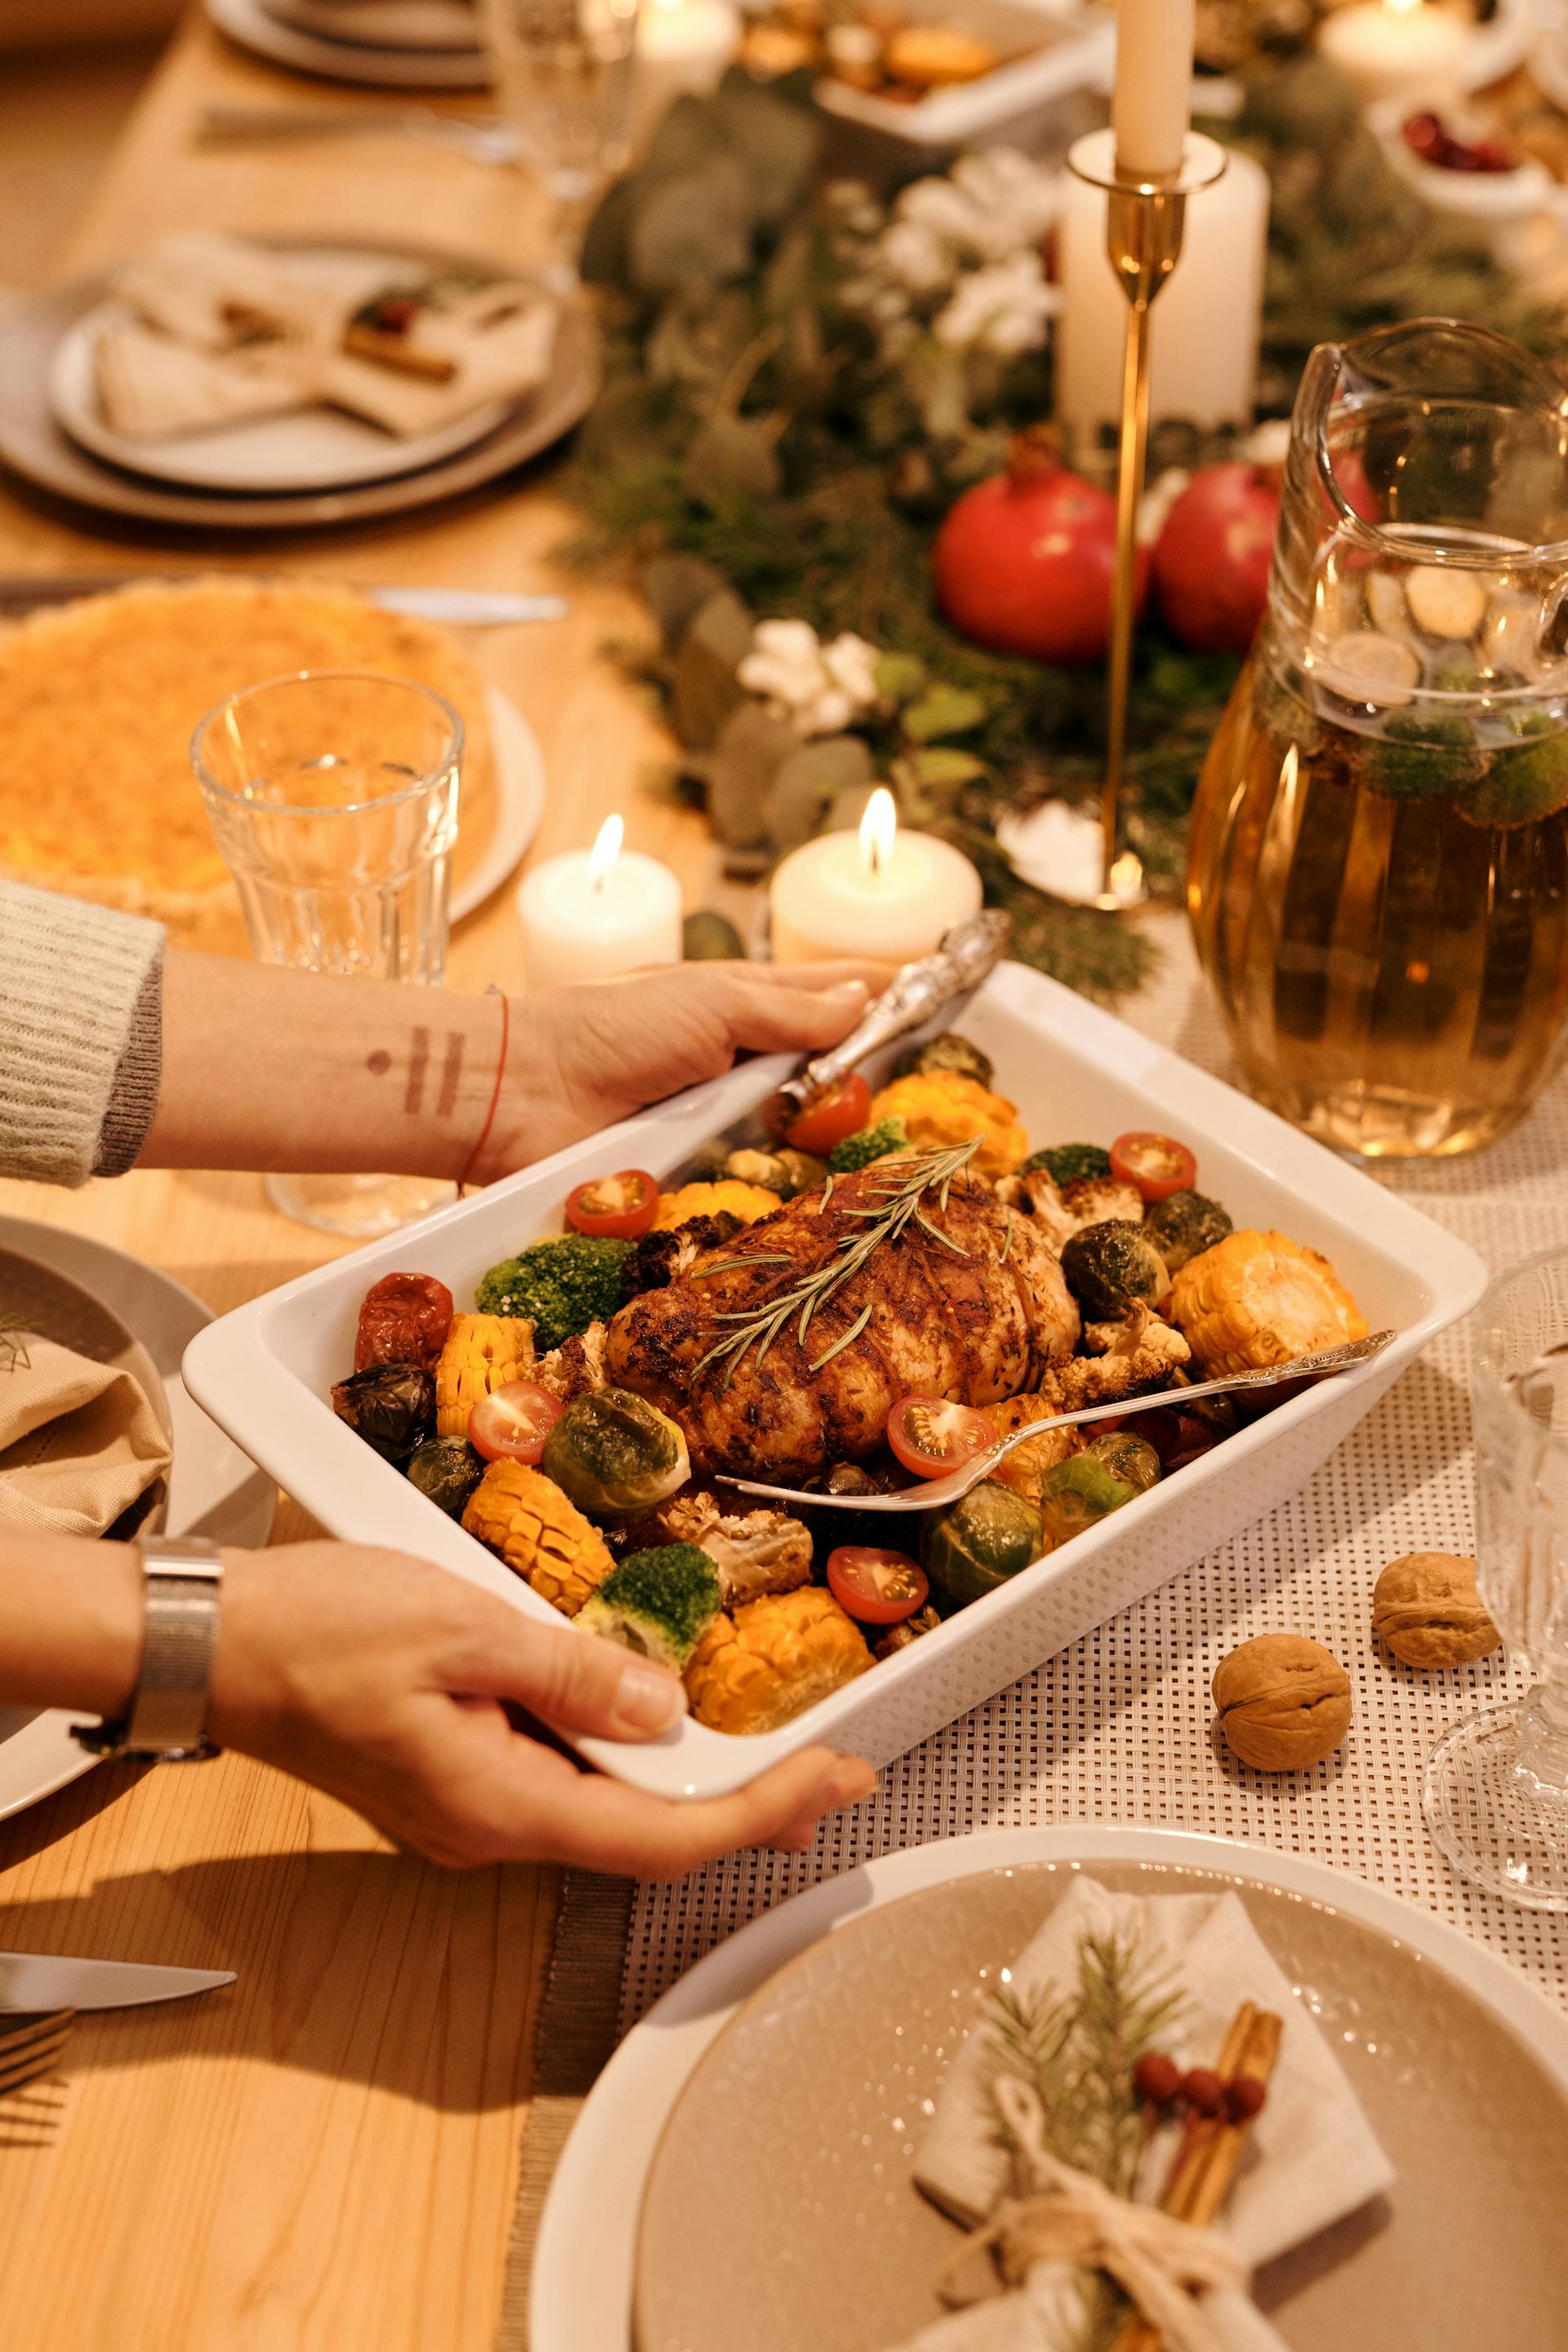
(879,830)
(605,850)
(1126,879)
(1402,8)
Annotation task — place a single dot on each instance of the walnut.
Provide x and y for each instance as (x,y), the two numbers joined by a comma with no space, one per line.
(1284,1702)
(1427,1609)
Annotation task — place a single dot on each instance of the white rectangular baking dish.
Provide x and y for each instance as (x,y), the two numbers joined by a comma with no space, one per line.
(1046,50)
(1076,1072)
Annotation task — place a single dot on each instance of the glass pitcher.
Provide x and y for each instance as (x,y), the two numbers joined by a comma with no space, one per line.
(1378,861)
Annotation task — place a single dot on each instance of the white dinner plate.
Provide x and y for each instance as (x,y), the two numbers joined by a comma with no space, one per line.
(520,802)
(404,25)
(213,1489)
(581,2291)
(317,448)
(248,23)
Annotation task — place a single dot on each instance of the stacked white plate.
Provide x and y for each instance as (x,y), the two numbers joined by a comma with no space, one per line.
(394,43)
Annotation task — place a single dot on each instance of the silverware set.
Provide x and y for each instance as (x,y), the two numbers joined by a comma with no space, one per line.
(41,1993)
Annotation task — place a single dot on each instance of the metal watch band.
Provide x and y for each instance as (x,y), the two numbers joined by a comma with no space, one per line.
(183,1575)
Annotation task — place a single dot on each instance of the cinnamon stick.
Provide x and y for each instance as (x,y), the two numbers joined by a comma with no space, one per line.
(1205,2165)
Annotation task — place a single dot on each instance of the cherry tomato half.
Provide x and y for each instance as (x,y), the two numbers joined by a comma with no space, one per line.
(931,1437)
(620,1208)
(879,1588)
(1157,1164)
(843,1111)
(513,1422)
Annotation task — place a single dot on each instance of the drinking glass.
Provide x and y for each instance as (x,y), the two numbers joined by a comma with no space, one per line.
(1495,1794)
(564,71)
(333,798)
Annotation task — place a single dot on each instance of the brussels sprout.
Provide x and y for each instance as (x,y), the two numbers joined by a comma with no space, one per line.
(1185,1225)
(391,1406)
(614,1455)
(707,936)
(1065,1163)
(785,1171)
(1127,1457)
(947,1051)
(978,1542)
(448,1469)
(1109,1267)
(1077,1494)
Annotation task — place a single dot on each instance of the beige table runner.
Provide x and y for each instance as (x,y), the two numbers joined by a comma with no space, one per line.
(1118,1728)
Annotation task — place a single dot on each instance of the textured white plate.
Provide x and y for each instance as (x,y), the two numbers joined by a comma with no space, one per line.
(317,448)
(265,1372)
(212,1490)
(581,2296)
(520,802)
(248,23)
(406,25)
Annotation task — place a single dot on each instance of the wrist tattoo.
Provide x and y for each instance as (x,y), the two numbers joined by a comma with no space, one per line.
(419,1060)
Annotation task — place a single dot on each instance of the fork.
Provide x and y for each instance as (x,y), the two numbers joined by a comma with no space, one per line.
(483,141)
(932,1493)
(30,2048)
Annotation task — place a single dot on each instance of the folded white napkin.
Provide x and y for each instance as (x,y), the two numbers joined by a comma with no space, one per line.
(150,385)
(78,1442)
(1313,2158)
(498,362)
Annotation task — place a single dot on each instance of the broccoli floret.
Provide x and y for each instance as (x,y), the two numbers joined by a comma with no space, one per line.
(1185,1225)
(871,1143)
(561,1286)
(660,1603)
(1110,1267)
(1066,1162)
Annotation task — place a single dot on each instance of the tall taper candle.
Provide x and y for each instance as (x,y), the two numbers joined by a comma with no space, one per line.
(1151,107)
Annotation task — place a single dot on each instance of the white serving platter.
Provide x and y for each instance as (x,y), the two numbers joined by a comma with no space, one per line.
(1046,50)
(1075,1071)
(581,2289)
(253,26)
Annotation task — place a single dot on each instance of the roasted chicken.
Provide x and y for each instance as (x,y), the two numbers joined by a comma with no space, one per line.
(970,1306)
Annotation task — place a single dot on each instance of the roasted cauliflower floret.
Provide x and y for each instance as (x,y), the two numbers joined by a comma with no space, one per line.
(576,1368)
(1140,1328)
(1061,1211)
(524,1517)
(754,1551)
(1257,1300)
(482,1352)
(773,1658)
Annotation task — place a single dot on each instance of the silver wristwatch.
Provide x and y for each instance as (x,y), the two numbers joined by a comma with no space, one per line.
(166,1720)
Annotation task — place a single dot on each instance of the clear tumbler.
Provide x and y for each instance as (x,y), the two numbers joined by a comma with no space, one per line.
(334,797)
(1496,1790)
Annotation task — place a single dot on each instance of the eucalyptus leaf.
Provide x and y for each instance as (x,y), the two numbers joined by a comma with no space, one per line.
(730,459)
(692,232)
(704,689)
(675,587)
(603,260)
(781,140)
(943,710)
(900,676)
(753,746)
(696,339)
(808,782)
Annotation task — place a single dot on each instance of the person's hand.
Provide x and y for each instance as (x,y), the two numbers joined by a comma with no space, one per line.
(579,1058)
(403,1690)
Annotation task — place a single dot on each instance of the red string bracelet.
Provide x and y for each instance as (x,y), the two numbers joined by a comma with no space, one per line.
(484,1134)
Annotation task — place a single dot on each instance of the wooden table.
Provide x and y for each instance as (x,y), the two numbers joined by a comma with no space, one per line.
(325,2156)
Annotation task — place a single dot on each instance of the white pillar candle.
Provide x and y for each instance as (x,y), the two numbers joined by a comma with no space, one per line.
(682,45)
(1203,327)
(881,894)
(596,912)
(1152,105)
(1395,48)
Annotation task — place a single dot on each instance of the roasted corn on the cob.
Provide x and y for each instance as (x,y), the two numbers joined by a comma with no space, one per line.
(482,1352)
(772,1659)
(542,1536)
(1257,1300)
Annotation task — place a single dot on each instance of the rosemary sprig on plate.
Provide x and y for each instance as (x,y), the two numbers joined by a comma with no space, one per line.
(893,1203)
(14,1356)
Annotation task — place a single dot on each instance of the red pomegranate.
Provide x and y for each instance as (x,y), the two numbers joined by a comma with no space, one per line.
(1023,563)
(1212,558)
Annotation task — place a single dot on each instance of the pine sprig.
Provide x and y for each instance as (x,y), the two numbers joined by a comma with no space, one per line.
(1077,2053)
(894,1203)
(14,1356)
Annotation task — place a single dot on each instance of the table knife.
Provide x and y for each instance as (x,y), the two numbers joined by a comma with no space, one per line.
(474,608)
(40,1980)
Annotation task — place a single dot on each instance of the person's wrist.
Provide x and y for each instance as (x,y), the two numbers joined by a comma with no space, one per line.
(247,1687)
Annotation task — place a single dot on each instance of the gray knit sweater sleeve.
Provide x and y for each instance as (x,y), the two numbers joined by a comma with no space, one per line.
(80,1035)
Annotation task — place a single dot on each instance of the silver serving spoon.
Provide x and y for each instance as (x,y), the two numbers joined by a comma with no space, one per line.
(932,1493)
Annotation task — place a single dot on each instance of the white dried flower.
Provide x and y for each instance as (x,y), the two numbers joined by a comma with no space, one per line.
(1267,443)
(1004,307)
(1015,200)
(936,205)
(819,689)
(1058,849)
(913,252)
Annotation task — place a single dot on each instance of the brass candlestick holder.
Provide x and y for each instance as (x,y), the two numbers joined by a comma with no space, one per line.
(1145,220)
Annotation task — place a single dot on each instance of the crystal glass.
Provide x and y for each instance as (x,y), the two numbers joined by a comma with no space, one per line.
(1378,856)
(564,71)
(1495,1794)
(334,797)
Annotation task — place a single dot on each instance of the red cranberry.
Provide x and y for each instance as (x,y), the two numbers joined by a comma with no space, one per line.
(1156,2078)
(1203,2091)
(1244,2095)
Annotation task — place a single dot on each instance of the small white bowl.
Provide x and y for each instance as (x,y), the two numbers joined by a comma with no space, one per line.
(1482,205)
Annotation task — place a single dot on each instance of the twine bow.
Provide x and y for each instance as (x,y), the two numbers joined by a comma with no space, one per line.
(1068,2216)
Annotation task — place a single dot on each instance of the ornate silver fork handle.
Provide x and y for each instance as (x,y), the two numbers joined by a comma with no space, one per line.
(932,1493)
(965,956)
